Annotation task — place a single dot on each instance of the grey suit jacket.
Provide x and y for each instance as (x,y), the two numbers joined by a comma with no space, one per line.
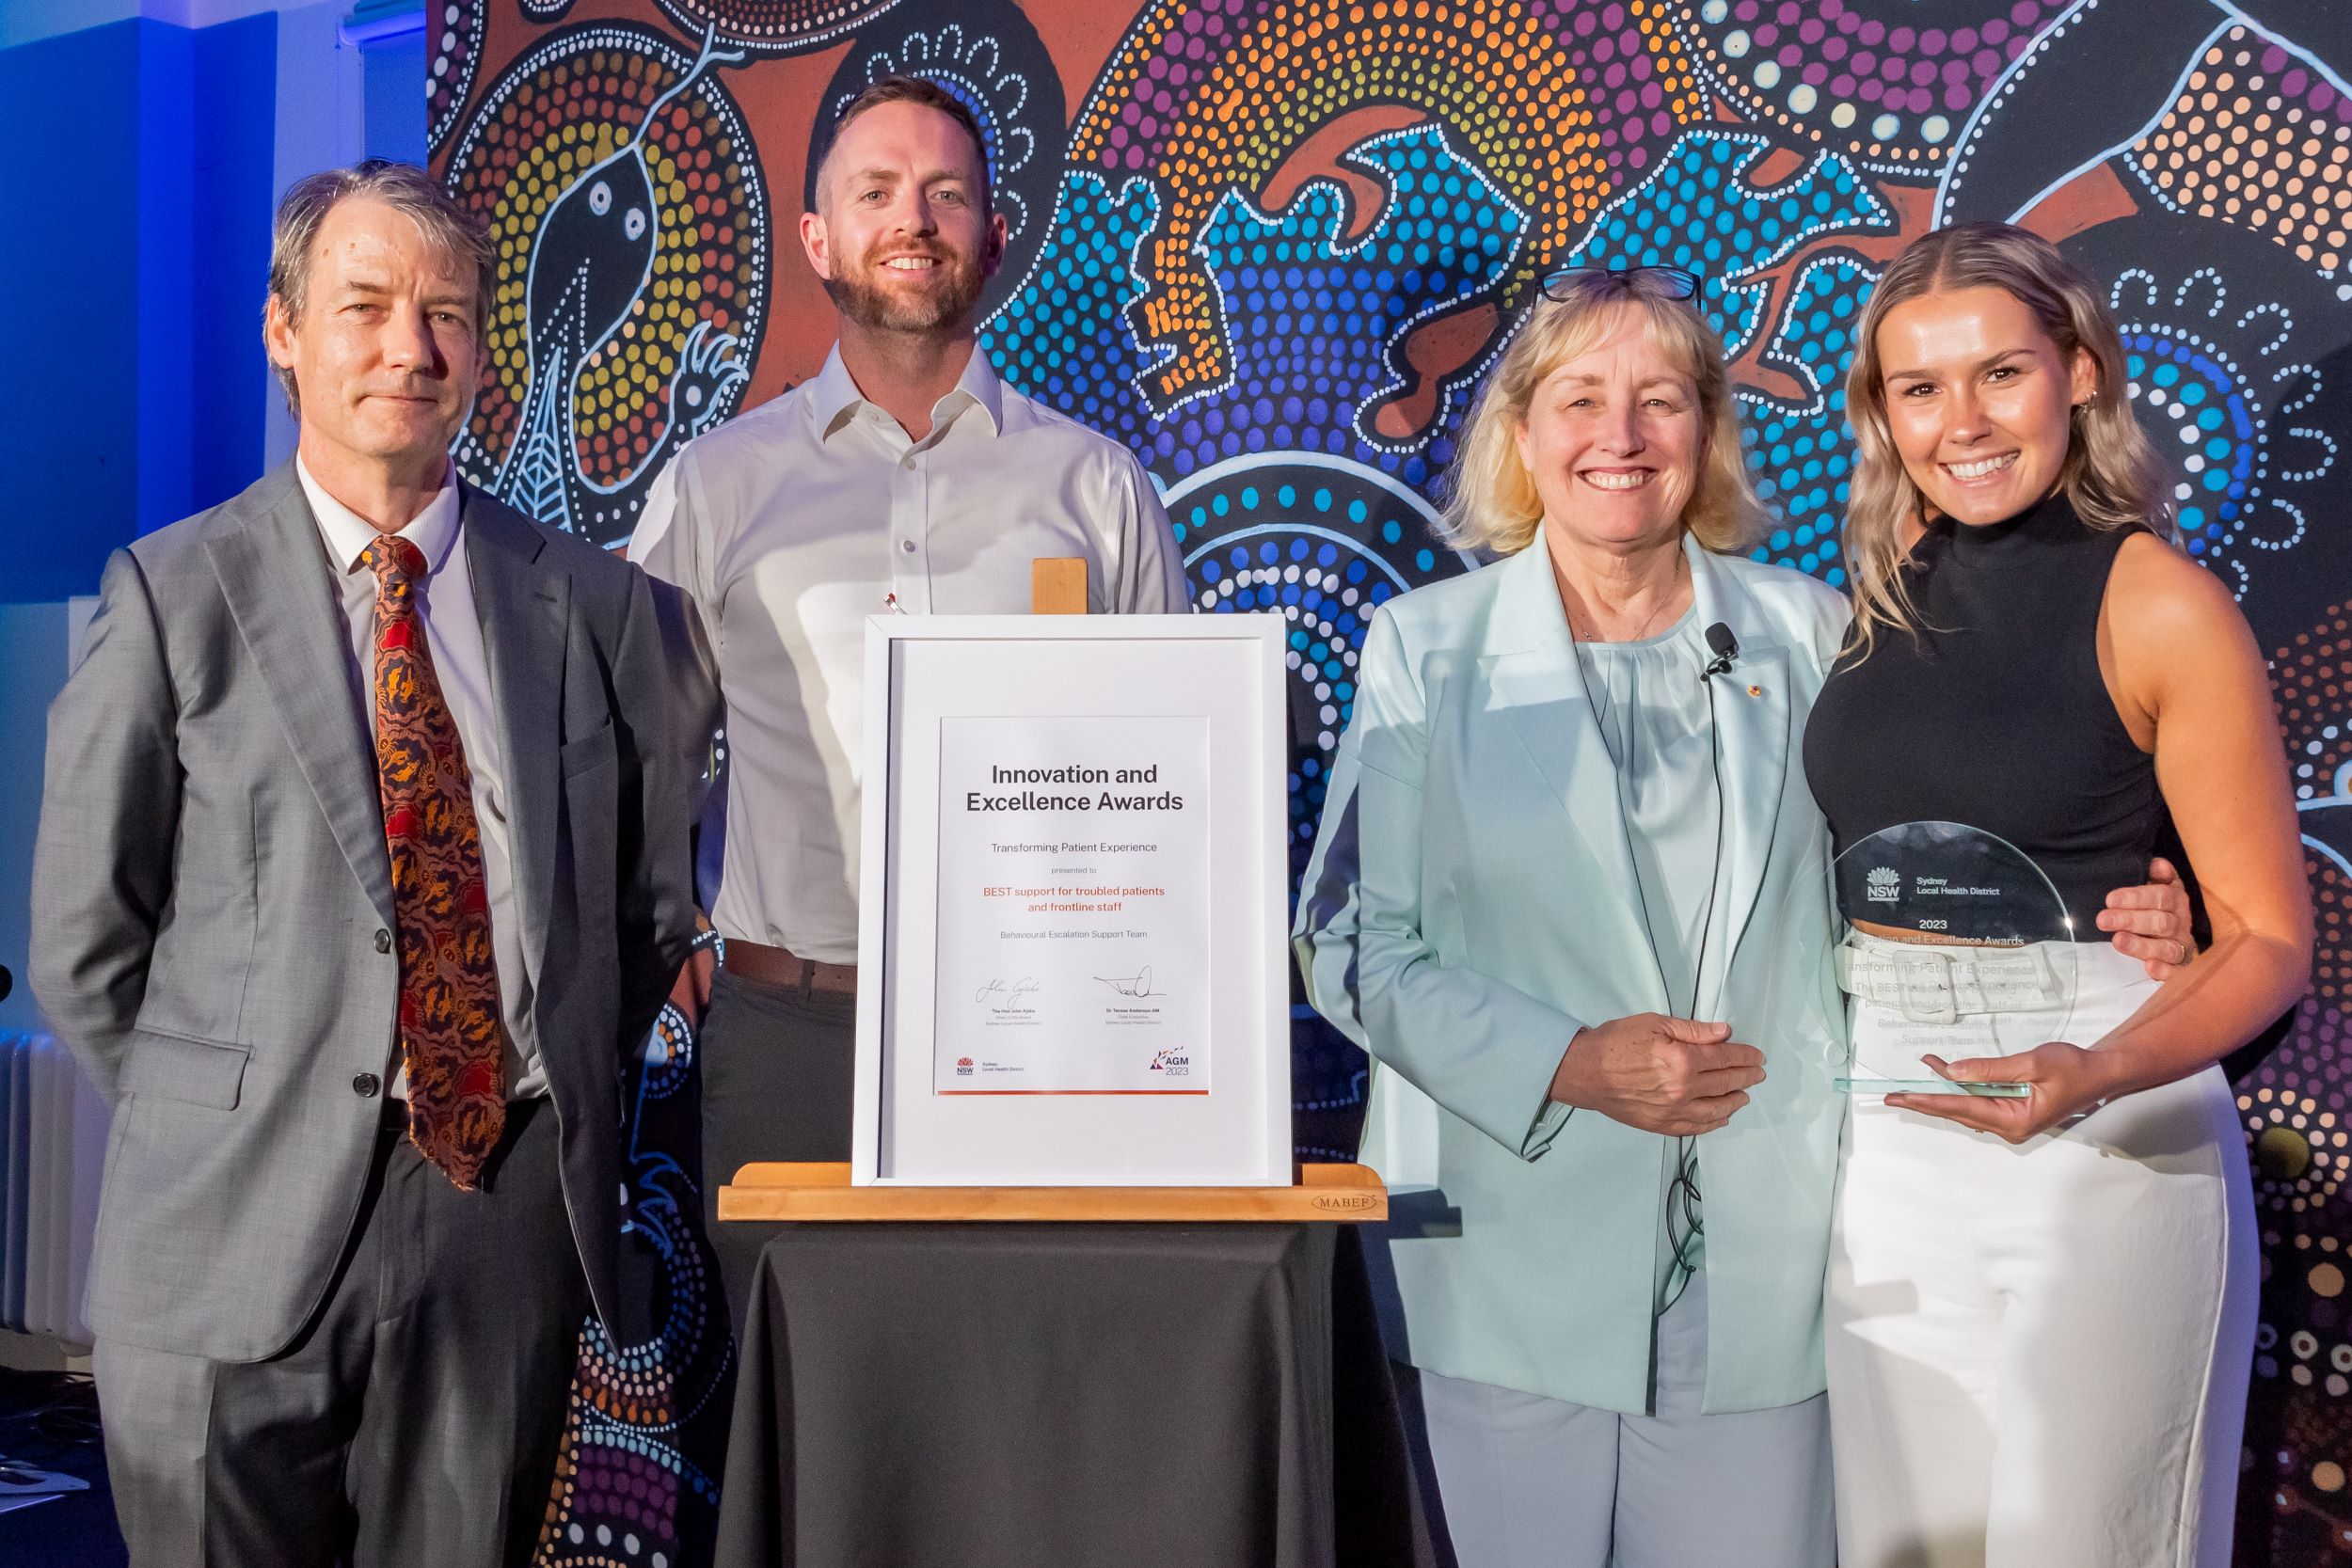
(213,899)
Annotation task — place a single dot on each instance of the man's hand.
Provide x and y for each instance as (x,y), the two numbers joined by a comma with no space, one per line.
(2150,920)
(1660,1074)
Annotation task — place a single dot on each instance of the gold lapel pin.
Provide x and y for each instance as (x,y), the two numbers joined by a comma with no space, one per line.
(1756,692)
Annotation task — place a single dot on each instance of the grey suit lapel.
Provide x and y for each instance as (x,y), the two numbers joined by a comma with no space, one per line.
(274,573)
(525,610)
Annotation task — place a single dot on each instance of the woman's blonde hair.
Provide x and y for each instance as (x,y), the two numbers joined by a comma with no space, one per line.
(1492,505)
(2111,475)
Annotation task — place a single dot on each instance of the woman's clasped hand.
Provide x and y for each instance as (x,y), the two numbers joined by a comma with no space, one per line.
(1662,1074)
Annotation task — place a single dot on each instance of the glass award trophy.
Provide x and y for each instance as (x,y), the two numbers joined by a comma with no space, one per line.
(1978,960)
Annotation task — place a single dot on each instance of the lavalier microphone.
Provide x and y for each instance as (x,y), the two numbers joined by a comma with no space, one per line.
(1727,648)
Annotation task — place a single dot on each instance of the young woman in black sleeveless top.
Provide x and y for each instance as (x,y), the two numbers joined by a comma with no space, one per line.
(2041,1310)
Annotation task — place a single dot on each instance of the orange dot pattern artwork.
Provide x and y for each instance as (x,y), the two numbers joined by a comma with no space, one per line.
(632,243)
(2293,1107)
(2242,146)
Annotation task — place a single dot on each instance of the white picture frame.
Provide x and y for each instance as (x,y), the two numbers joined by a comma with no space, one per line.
(942,691)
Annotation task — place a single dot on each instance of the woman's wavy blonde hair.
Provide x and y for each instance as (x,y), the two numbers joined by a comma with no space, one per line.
(1491,504)
(2111,475)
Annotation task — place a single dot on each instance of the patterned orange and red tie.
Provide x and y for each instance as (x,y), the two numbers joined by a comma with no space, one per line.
(448,984)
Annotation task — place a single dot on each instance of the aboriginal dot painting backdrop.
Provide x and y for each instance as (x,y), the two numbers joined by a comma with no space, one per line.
(1271,245)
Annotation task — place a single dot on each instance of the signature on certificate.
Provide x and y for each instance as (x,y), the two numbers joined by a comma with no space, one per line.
(1137,984)
(1002,991)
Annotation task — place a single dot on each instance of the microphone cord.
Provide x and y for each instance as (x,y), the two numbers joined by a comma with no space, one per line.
(1686,1230)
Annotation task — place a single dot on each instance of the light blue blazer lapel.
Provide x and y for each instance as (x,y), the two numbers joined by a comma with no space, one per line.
(1751,706)
(526,613)
(274,574)
(1532,675)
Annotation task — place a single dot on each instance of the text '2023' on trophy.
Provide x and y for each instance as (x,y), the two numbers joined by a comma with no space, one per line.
(1969,947)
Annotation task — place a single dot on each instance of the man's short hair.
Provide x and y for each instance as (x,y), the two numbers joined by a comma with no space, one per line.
(447,226)
(909,89)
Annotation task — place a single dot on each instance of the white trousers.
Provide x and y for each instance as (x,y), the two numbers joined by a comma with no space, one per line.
(1526,1482)
(2038,1355)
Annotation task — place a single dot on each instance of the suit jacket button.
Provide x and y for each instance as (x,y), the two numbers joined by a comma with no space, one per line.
(383,941)
(366,1084)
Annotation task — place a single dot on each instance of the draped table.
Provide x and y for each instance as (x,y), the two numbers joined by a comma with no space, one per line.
(973,1395)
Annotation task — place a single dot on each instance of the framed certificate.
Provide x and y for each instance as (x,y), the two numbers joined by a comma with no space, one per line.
(1071,933)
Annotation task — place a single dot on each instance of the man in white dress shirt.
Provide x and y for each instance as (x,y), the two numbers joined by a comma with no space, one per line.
(903,476)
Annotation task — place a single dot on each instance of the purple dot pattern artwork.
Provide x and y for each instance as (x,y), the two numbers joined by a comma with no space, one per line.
(1887,82)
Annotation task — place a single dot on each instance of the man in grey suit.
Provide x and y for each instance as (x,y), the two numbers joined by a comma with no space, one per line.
(362,867)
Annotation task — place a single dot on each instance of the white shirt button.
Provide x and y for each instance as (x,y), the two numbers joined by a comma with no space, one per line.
(906,545)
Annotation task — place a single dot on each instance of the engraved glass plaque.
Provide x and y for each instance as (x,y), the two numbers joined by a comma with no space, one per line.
(1978,960)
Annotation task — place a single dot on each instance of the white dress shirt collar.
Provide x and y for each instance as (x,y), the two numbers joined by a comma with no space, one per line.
(433,530)
(834,398)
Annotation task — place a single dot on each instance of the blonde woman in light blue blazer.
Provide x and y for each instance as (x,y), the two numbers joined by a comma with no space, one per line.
(1550,845)
(1568,823)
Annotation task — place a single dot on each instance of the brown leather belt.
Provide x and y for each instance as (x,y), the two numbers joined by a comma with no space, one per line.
(786,970)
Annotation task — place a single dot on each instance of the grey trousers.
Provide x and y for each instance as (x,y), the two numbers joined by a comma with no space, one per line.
(777,1072)
(1526,1482)
(415,1421)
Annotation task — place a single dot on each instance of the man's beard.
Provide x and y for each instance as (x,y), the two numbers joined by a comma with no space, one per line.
(885,309)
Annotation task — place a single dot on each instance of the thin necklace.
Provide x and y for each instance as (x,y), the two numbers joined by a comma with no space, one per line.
(1592,633)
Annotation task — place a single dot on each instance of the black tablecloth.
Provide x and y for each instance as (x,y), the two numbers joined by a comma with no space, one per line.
(1064,1396)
